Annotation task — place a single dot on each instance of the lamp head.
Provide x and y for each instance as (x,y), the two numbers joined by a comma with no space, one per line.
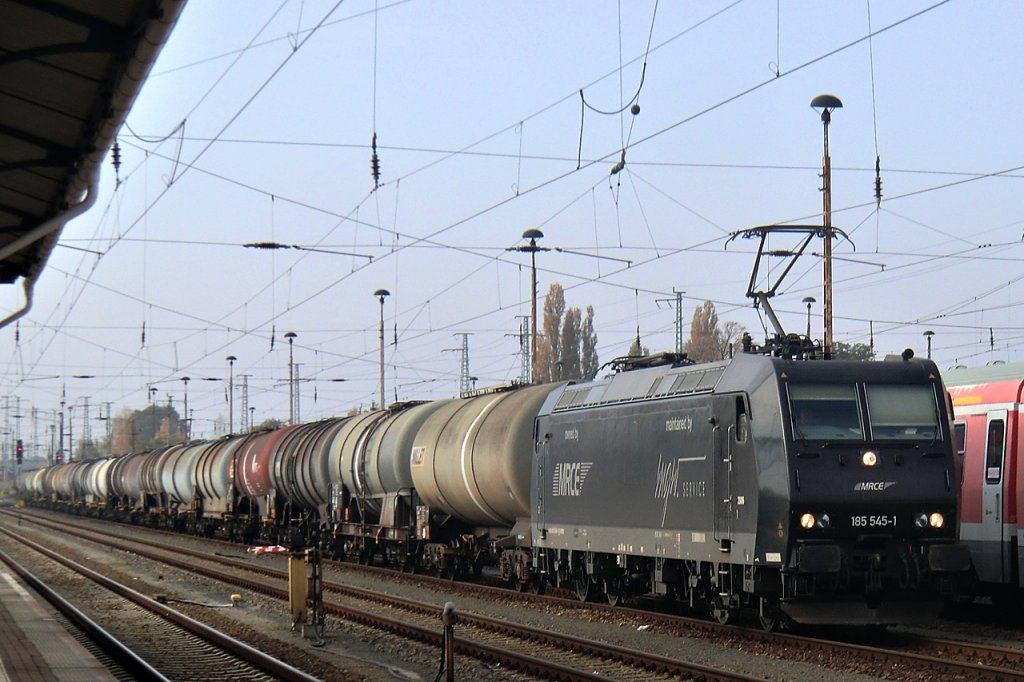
(826,103)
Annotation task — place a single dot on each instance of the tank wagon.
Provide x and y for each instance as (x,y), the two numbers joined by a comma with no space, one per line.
(988,435)
(811,491)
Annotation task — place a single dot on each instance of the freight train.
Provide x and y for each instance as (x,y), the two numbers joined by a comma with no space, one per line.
(807,491)
(987,436)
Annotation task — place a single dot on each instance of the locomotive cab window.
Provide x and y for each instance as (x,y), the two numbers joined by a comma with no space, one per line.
(825,412)
(903,412)
(742,420)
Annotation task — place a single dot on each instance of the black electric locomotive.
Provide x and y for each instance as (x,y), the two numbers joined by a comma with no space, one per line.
(811,491)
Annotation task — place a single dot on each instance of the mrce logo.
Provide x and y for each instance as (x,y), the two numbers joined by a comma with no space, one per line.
(873,486)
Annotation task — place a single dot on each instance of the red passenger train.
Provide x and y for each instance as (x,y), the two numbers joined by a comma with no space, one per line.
(989,437)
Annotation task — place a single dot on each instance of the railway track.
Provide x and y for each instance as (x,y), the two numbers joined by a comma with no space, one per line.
(146,638)
(938,657)
(527,649)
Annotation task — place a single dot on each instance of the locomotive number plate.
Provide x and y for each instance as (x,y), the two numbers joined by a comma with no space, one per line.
(873,521)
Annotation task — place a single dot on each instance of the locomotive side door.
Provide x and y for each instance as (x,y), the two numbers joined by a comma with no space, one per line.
(540,445)
(992,564)
(723,445)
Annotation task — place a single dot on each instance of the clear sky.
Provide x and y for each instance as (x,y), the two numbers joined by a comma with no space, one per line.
(256,124)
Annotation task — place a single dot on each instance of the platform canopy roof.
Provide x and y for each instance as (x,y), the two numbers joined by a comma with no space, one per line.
(69,73)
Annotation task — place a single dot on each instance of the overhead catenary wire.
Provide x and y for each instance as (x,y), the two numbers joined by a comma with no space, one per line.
(441,246)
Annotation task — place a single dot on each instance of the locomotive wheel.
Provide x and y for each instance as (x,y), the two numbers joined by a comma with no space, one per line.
(772,618)
(538,585)
(519,585)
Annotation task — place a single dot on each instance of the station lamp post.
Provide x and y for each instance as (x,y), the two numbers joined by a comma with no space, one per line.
(291,336)
(185,380)
(231,393)
(381,294)
(809,300)
(533,234)
(826,104)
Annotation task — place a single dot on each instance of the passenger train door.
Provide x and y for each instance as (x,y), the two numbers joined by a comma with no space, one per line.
(992,565)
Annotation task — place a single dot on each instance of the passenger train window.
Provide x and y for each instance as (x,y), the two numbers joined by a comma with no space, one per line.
(902,411)
(994,451)
(960,438)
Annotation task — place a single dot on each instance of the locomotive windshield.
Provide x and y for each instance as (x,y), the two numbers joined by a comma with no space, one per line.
(833,412)
(825,412)
(902,412)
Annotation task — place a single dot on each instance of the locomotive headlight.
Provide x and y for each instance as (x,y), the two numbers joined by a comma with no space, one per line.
(807,521)
(869,458)
(824,521)
(921,521)
(936,520)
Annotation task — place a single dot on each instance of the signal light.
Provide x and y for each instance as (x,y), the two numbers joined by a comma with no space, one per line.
(19,451)
(58,458)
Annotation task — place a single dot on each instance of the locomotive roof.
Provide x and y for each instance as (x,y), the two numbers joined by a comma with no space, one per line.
(743,372)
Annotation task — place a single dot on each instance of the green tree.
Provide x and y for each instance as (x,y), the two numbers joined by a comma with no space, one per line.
(704,344)
(588,347)
(152,427)
(709,342)
(852,351)
(636,349)
(269,424)
(567,350)
(569,346)
(546,354)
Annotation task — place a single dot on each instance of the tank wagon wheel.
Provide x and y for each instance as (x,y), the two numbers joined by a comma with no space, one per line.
(583,586)
(615,590)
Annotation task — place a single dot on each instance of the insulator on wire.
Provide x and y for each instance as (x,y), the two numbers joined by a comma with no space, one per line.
(878,179)
(115,160)
(374,163)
